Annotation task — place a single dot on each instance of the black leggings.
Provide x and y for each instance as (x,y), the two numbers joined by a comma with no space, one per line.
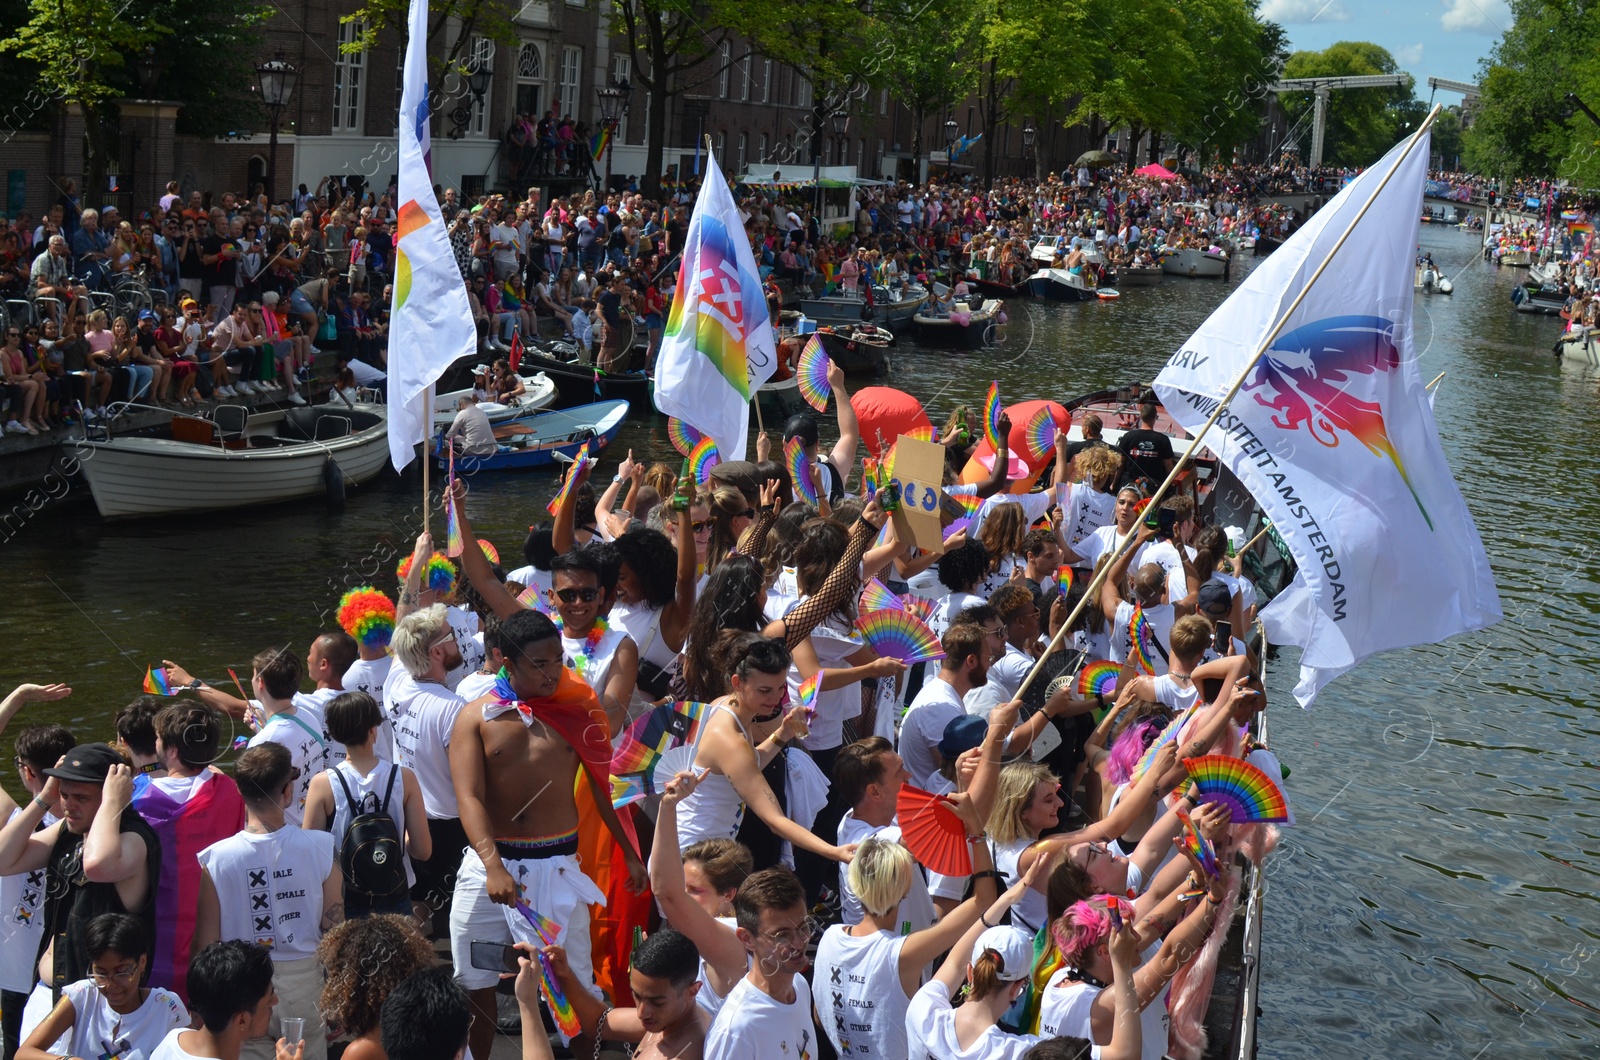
(11,1006)
(764,845)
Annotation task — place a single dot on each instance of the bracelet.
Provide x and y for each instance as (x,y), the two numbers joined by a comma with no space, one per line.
(984,919)
(986,873)
(981,838)
(41,803)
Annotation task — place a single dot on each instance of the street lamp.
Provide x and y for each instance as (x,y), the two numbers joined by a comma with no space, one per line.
(950,130)
(148,69)
(1028,135)
(613,103)
(478,79)
(277,85)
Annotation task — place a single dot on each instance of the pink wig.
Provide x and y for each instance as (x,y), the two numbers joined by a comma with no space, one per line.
(1131,746)
(1080,929)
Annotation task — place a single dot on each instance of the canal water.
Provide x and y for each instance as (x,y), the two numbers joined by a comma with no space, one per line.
(1438,895)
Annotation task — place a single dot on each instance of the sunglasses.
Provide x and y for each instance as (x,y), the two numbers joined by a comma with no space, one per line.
(572,596)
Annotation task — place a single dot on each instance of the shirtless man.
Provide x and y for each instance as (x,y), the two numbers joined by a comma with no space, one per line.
(514,756)
(666,1022)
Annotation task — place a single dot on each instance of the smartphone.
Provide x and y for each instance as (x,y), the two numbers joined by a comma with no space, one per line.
(1224,639)
(494,956)
(1167,521)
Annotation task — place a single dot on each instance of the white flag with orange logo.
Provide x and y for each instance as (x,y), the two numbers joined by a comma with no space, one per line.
(1334,436)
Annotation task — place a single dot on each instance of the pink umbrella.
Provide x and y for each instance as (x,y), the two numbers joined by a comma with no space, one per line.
(1160,172)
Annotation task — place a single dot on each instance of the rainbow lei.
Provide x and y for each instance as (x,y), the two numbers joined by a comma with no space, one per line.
(591,643)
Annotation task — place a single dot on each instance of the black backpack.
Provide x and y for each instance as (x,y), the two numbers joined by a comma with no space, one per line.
(371,856)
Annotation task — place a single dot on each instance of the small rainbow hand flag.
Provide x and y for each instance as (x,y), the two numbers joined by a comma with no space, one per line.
(808,693)
(454,544)
(560,1007)
(156,683)
(571,481)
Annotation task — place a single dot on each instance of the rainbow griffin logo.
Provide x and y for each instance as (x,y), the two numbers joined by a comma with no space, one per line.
(724,301)
(1304,377)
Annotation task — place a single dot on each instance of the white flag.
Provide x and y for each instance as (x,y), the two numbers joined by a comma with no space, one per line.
(432,322)
(718,348)
(1334,436)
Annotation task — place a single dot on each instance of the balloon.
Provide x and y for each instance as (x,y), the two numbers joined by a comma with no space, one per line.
(887,411)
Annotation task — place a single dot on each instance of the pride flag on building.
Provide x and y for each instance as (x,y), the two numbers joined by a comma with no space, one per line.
(432,321)
(719,347)
(598,143)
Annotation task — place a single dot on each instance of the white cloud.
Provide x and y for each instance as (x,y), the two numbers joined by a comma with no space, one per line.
(1302,11)
(1408,54)
(1490,17)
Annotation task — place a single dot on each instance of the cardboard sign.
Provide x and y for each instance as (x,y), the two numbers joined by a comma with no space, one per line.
(918,473)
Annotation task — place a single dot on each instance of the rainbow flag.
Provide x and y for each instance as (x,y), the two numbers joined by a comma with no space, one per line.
(156,683)
(599,142)
(718,348)
(454,544)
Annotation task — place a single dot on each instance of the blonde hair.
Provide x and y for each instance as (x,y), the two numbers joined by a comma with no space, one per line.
(98,320)
(880,875)
(1013,795)
(414,636)
(1100,463)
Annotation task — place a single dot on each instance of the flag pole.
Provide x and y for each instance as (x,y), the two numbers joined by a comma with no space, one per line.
(427,460)
(1435,381)
(1092,591)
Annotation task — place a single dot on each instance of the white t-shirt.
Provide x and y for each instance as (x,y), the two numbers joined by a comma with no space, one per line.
(21,919)
(531,577)
(936,705)
(475,684)
(861,1004)
(931,1023)
(317,701)
(301,733)
(98,1031)
(834,644)
(1064,1009)
(753,1026)
(1161,619)
(466,626)
(424,715)
(269,887)
(1165,555)
(366,675)
(169,1049)
(1034,505)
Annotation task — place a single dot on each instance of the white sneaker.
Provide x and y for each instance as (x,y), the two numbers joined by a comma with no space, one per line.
(15,427)
(296,399)
(225,391)
(246,388)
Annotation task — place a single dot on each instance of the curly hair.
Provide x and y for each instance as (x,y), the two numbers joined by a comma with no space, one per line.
(964,567)
(1101,463)
(366,959)
(654,562)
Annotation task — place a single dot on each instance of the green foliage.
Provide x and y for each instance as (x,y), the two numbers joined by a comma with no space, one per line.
(78,47)
(492,19)
(1362,123)
(221,38)
(1525,126)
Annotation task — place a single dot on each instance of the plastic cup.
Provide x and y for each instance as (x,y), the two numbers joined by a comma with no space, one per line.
(294,1030)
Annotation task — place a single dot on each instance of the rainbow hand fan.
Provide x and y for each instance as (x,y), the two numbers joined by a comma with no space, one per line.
(682,436)
(674,724)
(900,635)
(968,503)
(807,698)
(1141,642)
(812,374)
(1098,678)
(1198,845)
(922,434)
(991,416)
(1168,734)
(877,597)
(702,458)
(560,1007)
(533,597)
(920,606)
(799,465)
(932,832)
(570,483)
(1248,793)
(1061,581)
(869,477)
(490,553)
(1040,433)
(156,683)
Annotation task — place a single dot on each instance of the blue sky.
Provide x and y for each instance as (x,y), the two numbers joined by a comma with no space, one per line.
(1429,38)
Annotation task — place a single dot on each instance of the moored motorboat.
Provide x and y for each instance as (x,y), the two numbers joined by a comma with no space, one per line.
(857,347)
(1139,275)
(839,309)
(1266,245)
(963,326)
(1060,285)
(779,399)
(236,459)
(992,289)
(534,441)
(1518,257)
(539,392)
(896,308)
(1580,347)
(581,384)
(1529,298)
(1195,263)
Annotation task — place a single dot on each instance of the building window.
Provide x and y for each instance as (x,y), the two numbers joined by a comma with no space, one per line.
(861,153)
(481,58)
(766,81)
(622,70)
(883,102)
(744,78)
(879,165)
(571,72)
(744,145)
(761,148)
(530,80)
(722,71)
(347,76)
(722,148)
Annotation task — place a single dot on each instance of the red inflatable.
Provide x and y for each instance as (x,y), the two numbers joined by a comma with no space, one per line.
(886,411)
(1023,467)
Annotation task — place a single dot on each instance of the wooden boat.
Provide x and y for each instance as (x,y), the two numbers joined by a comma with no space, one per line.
(1060,285)
(581,384)
(968,328)
(533,441)
(1139,275)
(539,392)
(236,459)
(857,347)
(1195,263)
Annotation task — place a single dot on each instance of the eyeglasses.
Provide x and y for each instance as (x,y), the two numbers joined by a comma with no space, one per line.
(105,979)
(1001,632)
(748,513)
(795,937)
(572,596)
(451,635)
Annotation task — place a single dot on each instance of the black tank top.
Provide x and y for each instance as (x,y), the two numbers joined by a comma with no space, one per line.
(72,900)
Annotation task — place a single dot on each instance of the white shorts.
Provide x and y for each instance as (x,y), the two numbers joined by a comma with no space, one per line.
(554,886)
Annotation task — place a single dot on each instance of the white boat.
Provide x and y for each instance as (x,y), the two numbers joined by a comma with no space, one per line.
(963,326)
(1191,261)
(1520,257)
(539,392)
(236,459)
(1060,285)
(1579,347)
(896,310)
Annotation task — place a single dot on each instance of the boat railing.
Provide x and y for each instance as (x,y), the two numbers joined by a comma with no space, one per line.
(100,430)
(1243,1045)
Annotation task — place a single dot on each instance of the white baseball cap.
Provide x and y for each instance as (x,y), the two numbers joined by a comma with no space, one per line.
(1015,948)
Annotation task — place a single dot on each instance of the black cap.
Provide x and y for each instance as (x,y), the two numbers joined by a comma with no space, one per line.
(87,763)
(1214,596)
(963,734)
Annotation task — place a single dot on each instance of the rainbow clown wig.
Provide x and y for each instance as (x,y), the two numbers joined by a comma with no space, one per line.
(440,575)
(368,616)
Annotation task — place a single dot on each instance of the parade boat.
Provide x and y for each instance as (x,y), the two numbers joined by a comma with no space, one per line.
(237,458)
(539,392)
(857,347)
(1060,285)
(1517,257)
(1531,298)
(1195,263)
(968,326)
(535,441)
(1579,347)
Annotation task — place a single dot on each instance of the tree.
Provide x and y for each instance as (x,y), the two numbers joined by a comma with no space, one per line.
(222,38)
(1139,69)
(1362,123)
(930,67)
(1244,57)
